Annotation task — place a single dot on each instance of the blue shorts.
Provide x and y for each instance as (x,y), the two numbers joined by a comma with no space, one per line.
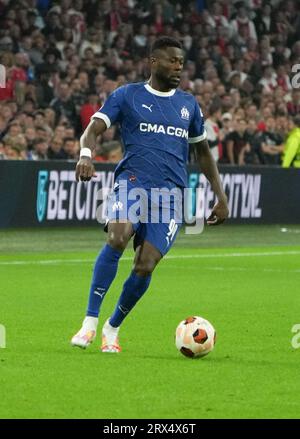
(156,214)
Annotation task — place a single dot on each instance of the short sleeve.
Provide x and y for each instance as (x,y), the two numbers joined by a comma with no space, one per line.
(111,110)
(197,131)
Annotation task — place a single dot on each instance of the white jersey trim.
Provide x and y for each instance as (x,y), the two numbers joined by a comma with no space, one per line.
(102,116)
(160,93)
(198,138)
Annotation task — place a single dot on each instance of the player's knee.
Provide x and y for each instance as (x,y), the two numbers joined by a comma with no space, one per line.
(144,267)
(118,242)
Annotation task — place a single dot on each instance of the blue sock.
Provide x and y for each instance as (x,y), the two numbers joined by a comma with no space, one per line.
(133,289)
(105,270)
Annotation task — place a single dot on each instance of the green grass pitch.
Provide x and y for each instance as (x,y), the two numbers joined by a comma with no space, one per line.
(244,279)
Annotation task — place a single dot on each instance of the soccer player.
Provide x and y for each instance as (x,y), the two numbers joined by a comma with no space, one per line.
(157,122)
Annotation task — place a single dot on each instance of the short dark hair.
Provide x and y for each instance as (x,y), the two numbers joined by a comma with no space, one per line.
(69,139)
(163,42)
(39,140)
(214,107)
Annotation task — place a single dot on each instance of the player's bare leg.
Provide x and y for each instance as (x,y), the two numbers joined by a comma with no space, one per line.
(145,261)
(105,270)
(119,234)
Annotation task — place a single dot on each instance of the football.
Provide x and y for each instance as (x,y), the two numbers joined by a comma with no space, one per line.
(195,337)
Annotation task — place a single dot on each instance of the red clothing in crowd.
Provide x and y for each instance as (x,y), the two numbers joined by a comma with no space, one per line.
(86,112)
(18,74)
(15,74)
(293,109)
(261,126)
(7,93)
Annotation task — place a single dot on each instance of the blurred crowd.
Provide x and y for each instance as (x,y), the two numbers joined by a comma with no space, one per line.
(64,58)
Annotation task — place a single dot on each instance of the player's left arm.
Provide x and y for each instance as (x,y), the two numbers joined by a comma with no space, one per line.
(209,168)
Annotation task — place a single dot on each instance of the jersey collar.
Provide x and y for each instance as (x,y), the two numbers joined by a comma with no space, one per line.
(159,93)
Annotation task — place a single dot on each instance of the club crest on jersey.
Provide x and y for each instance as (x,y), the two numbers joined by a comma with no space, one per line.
(185,114)
(118,205)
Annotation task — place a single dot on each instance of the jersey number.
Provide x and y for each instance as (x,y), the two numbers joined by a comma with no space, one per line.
(172,230)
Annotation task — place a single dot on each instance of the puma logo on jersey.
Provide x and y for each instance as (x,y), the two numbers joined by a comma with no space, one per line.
(148,108)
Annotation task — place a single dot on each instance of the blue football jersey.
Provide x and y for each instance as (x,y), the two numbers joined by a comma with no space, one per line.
(156,128)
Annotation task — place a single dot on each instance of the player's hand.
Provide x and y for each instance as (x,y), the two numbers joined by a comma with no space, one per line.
(85,169)
(218,214)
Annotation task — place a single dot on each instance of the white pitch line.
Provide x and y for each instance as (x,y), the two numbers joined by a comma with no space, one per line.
(48,262)
(234,255)
(130,258)
(265,270)
(285,230)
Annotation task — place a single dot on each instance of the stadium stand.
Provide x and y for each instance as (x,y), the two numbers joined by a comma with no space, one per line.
(63,58)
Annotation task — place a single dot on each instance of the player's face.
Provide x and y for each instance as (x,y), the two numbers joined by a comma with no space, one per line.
(167,65)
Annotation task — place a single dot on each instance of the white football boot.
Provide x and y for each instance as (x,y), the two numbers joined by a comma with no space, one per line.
(110,340)
(86,335)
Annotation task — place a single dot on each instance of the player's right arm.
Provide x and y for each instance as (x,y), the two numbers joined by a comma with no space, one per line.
(85,168)
(110,113)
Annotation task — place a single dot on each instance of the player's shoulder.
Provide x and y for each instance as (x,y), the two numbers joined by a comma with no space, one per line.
(135,85)
(127,90)
(132,87)
(186,96)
